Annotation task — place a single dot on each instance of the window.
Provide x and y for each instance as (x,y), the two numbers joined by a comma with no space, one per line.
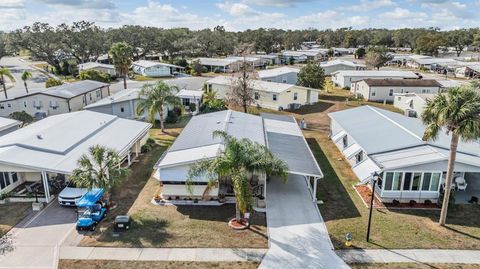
(9,105)
(426,181)
(90,96)
(393,181)
(424,91)
(284,81)
(186,101)
(256,95)
(274,97)
(373,93)
(390,93)
(401,91)
(388,181)
(99,93)
(435,181)
(122,109)
(25,103)
(416,181)
(359,157)
(295,96)
(14,177)
(269,80)
(399,98)
(4,180)
(2,106)
(407,181)
(345,141)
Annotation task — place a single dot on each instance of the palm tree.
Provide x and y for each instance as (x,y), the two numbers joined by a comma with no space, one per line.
(240,158)
(121,54)
(458,113)
(99,168)
(25,76)
(5,72)
(154,97)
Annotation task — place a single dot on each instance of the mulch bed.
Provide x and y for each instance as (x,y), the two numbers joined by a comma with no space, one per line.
(365,193)
(238,225)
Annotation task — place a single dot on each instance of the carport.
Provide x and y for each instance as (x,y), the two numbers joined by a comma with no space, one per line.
(286,141)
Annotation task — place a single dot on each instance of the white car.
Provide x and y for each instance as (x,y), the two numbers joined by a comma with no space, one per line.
(70,195)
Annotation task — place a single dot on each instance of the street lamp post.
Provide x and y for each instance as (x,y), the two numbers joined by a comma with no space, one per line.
(375,177)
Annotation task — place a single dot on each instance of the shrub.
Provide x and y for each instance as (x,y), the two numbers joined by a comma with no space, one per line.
(93,74)
(51,82)
(192,107)
(217,70)
(177,110)
(148,145)
(22,116)
(395,202)
(204,69)
(172,117)
(180,62)
(212,106)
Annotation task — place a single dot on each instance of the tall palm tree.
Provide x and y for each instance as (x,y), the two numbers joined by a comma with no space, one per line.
(25,76)
(153,99)
(5,72)
(122,54)
(239,159)
(458,113)
(99,168)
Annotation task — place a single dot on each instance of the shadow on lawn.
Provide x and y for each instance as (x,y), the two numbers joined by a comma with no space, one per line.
(337,202)
(221,213)
(315,108)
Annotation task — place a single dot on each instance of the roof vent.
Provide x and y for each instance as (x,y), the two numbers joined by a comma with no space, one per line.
(218,122)
(39,136)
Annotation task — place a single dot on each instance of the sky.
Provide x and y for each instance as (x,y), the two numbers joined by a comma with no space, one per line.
(238,15)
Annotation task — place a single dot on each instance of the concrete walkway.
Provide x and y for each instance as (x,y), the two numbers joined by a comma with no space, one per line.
(36,240)
(410,255)
(162,254)
(298,237)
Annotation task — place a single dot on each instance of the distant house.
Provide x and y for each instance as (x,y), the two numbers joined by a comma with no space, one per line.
(337,65)
(57,100)
(35,155)
(412,103)
(431,63)
(384,89)
(344,78)
(224,65)
(106,68)
(302,56)
(124,103)
(377,140)
(272,95)
(8,125)
(251,61)
(155,69)
(280,75)
(449,83)
(268,59)
(469,71)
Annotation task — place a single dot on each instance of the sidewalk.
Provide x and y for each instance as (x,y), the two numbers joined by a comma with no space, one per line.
(409,255)
(162,254)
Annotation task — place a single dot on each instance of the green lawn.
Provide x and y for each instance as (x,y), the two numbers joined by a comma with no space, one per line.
(103,264)
(11,214)
(171,226)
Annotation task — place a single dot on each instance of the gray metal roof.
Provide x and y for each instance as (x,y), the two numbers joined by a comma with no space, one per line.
(378,130)
(74,89)
(290,145)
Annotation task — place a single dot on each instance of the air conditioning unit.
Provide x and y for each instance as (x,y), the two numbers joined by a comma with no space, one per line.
(410,113)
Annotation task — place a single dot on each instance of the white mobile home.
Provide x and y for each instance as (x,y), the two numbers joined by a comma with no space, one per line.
(383,90)
(277,96)
(377,140)
(224,65)
(344,78)
(337,65)
(106,68)
(155,69)
(57,100)
(280,134)
(284,74)
(412,103)
(34,155)
(8,125)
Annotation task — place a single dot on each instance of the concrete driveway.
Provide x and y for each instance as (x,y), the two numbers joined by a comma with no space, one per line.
(297,235)
(36,241)
(17,66)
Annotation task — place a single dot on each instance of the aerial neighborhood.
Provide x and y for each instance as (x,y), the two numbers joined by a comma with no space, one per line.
(169,146)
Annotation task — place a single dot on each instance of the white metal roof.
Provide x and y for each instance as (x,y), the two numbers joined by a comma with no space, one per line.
(277,72)
(190,94)
(70,90)
(216,61)
(6,123)
(365,169)
(148,64)
(341,62)
(376,73)
(57,142)
(258,85)
(91,65)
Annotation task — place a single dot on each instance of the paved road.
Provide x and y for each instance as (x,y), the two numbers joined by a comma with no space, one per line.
(297,235)
(36,241)
(17,66)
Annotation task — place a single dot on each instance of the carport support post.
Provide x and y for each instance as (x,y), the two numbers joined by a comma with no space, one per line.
(45,186)
(315,179)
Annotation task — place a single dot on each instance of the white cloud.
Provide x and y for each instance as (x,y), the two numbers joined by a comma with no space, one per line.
(277,3)
(368,5)
(86,4)
(4,4)
(402,14)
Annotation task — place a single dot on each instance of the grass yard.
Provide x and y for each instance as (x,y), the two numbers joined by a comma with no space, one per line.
(102,264)
(11,214)
(171,226)
(413,266)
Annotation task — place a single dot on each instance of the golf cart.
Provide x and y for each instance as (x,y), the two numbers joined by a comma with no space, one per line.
(90,209)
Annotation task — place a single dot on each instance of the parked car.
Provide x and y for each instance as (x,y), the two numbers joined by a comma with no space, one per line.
(70,195)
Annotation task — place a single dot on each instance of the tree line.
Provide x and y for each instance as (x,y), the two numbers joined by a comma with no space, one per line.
(84,41)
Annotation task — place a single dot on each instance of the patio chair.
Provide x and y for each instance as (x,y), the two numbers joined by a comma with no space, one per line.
(461,183)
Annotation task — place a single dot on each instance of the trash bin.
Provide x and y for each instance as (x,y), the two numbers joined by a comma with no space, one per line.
(121,223)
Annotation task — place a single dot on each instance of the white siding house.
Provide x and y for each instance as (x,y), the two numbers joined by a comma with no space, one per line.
(337,65)
(377,140)
(412,103)
(277,96)
(284,74)
(37,153)
(344,78)
(106,68)
(224,65)
(382,90)
(57,100)
(155,69)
